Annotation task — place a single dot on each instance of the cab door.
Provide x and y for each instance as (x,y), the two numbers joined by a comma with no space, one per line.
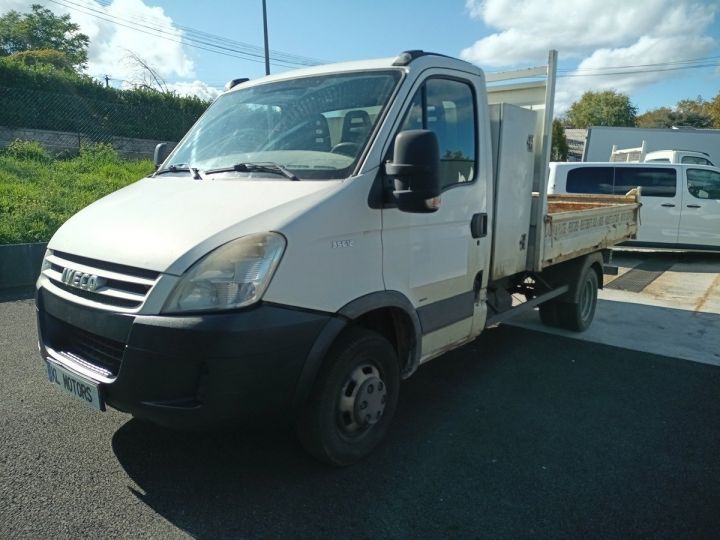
(434,258)
(700,217)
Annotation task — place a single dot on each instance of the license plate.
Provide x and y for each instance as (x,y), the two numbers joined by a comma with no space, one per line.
(83,389)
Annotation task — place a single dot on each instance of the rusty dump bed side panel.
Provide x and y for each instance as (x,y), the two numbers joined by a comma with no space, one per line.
(575,225)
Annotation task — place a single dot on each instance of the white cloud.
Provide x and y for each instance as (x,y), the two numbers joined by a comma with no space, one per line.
(599,34)
(195,88)
(110,42)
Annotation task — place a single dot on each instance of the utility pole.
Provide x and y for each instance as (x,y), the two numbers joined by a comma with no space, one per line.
(267,50)
(107,81)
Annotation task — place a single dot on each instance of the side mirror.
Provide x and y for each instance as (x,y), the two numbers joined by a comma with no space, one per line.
(162,151)
(415,170)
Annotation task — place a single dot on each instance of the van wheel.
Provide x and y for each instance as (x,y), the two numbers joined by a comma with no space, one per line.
(578,316)
(353,400)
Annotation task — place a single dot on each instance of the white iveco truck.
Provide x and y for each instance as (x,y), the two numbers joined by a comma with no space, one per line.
(314,238)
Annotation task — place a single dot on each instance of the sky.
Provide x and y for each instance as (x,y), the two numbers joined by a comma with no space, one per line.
(656,51)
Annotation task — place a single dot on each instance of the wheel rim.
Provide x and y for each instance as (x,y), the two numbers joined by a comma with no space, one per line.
(362,400)
(586,300)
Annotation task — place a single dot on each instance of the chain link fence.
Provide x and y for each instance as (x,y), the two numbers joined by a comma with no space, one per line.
(85,121)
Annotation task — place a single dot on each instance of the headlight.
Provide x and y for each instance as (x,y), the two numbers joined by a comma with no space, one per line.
(232,276)
(45,263)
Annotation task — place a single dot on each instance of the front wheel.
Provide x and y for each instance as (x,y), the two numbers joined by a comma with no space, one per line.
(353,400)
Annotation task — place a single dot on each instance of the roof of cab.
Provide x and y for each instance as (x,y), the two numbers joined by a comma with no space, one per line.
(407,60)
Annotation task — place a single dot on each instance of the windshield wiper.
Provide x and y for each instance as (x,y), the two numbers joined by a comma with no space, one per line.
(175,169)
(269,167)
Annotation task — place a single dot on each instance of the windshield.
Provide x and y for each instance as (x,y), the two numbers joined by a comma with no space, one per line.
(316,127)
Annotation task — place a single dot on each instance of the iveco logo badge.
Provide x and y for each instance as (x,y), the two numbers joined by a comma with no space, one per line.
(81,280)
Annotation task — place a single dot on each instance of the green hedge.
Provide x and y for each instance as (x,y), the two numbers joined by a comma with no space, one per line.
(39,193)
(42,97)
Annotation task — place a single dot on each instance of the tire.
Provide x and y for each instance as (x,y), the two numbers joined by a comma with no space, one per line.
(353,400)
(577,317)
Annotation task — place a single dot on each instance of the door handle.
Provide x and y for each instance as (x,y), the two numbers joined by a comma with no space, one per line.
(478,226)
(694,206)
(668,205)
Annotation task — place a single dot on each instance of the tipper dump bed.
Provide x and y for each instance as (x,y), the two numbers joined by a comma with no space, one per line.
(579,224)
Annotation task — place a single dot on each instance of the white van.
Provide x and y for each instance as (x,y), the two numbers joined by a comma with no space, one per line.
(314,238)
(681,202)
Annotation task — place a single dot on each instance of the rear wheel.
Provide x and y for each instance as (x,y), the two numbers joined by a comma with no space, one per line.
(578,316)
(353,400)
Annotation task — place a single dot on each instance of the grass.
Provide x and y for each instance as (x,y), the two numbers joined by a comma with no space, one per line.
(38,193)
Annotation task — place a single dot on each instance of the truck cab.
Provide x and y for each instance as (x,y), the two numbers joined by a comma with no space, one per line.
(314,238)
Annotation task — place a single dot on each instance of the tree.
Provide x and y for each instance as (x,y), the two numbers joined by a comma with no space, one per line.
(687,112)
(42,57)
(42,29)
(145,75)
(662,117)
(560,146)
(713,108)
(693,112)
(608,108)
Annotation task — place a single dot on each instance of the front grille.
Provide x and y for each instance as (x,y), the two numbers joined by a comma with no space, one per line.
(120,287)
(100,354)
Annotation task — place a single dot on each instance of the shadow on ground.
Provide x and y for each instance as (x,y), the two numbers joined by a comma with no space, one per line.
(517,434)
(700,262)
(679,333)
(17,293)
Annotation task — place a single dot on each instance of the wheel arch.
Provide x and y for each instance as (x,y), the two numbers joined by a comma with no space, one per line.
(389,313)
(571,272)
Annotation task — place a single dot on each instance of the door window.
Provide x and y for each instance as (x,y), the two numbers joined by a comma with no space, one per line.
(703,184)
(447,107)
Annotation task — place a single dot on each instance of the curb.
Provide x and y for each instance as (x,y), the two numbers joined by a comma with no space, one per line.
(20,264)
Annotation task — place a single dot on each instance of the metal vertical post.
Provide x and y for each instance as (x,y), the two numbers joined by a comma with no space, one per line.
(267,50)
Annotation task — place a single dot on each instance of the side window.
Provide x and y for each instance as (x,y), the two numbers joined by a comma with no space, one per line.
(447,107)
(694,160)
(590,180)
(703,184)
(655,182)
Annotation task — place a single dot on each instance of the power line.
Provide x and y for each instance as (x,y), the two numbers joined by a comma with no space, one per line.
(639,69)
(190,41)
(220,39)
(687,61)
(169,36)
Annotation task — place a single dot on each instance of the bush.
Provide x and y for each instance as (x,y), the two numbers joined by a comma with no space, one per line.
(27,150)
(37,196)
(42,97)
(95,156)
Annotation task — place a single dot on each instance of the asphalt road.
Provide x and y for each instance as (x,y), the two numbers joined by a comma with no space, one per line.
(520,434)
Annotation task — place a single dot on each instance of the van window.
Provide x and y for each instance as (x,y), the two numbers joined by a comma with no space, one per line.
(655,182)
(658,160)
(694,160)
(703,184)
(447,107)
(590,180)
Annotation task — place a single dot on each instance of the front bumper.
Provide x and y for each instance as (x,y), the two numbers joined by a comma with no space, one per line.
(184,371)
